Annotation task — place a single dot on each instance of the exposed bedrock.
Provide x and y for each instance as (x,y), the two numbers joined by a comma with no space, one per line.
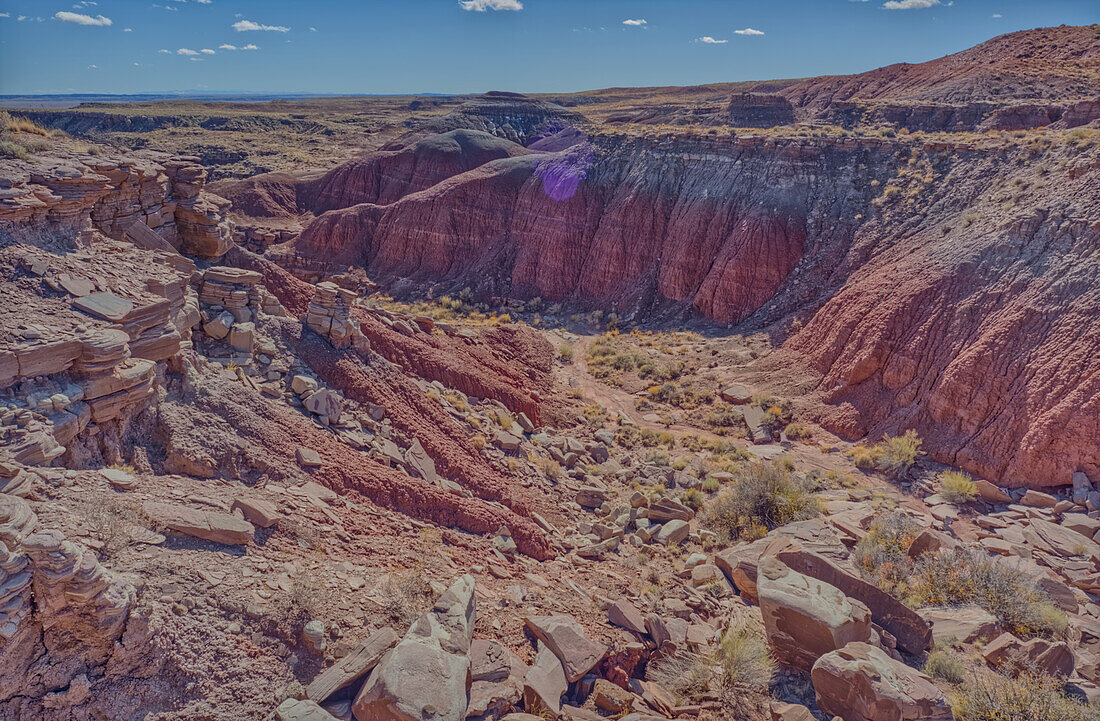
(930,299)
(616,224)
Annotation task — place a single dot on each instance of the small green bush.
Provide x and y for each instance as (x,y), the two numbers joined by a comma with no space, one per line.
(963,576)
(693,498)
(896,454)
(763,496)
(945,666)
(883,554)
(956,487)
(1029,697)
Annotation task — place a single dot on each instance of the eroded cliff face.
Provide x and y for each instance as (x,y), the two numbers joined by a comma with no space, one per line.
(615,223)
(942,286)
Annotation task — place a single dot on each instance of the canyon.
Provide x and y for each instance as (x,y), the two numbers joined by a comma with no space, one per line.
(718,403)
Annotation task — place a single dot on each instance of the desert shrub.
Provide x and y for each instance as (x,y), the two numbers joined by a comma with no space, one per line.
(12,149)
(764,495)
(745,659)
(896,454)
(863,456)
(15,124)
(687,675)
(723,415)
(403,597)
(963,576)
(109,522)
(798,431)
(693,498)
(478,441)
(883,554)
(595,414)
(945,666)
(710,485)
(990,697)
(738,671)
(565,353)
(628,436)
(956,487)
(550,468)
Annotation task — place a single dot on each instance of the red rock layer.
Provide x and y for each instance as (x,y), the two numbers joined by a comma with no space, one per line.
(977,326)
(952,309)
(618,226)
(1042,63)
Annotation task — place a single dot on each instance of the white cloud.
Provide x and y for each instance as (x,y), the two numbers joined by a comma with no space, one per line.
(186,51)
(710,41)
(481,6)
(5,15)
(313,30)
(127,30)
(227,46)
(635,21)
(243,25)
(206,51)
(137,65)
(998,16)
(93,67)
(748,31)
(166,52)
(196,60)
(251,46)
(68,17)
(909,4)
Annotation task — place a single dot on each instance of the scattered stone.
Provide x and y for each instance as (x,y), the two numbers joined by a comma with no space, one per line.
(964,624)
(566,639)
(302,710)
(1038,499)
(308,458)
(207,525)
(352,667)
(425,676)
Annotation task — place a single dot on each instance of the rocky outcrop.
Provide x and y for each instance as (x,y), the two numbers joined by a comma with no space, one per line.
(163,193)
(567,226)
(759,110)
(384,177)
(1026,64)
(512,116)
(79,607)
(426,677)
(806,618)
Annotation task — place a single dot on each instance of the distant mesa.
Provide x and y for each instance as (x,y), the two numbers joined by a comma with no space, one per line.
(760,110)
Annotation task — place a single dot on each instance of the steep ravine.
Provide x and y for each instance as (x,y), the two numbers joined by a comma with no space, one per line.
(941,286)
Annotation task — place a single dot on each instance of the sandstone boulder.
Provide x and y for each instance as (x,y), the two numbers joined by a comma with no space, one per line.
(861,683)
(912,632)
(567,640)
(302,710)
(207,525)
(545,683)
(806,618)
(1053,658)
(497,680)
(624,614)
(426,677)
(964,624)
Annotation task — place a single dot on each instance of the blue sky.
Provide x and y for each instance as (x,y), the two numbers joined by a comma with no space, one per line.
(450,46)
